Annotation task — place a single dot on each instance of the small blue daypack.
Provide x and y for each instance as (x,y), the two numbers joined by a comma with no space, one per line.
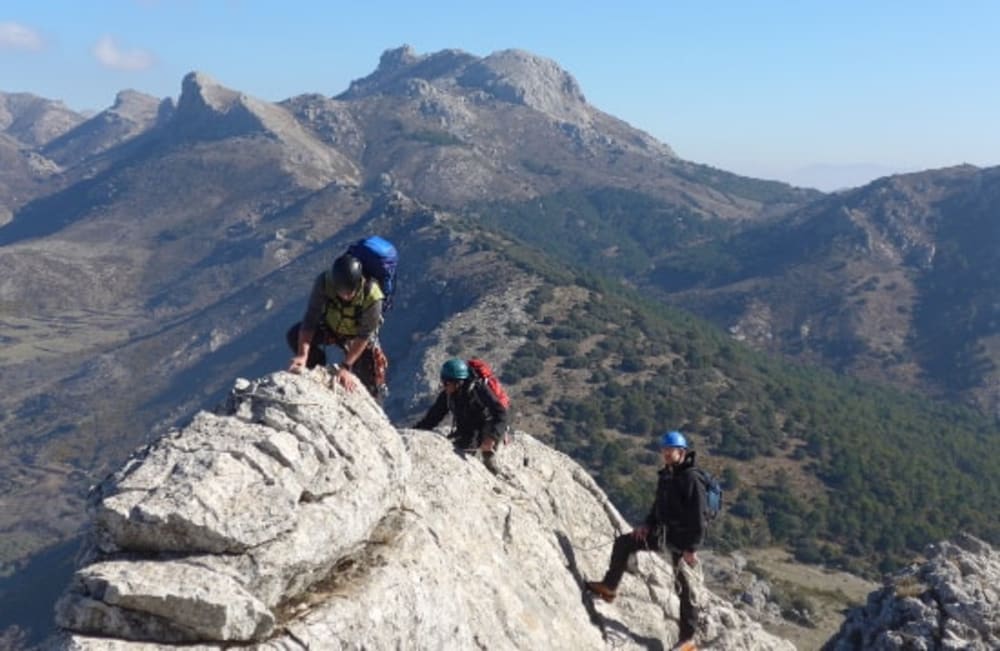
(713,493)
(378,259)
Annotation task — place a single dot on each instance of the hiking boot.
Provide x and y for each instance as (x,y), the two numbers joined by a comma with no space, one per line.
(601,590)
(490,461)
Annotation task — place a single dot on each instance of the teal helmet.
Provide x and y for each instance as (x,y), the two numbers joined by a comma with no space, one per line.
(673,439)
(454,369)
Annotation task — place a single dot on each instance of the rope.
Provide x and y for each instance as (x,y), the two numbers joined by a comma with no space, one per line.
(267,398)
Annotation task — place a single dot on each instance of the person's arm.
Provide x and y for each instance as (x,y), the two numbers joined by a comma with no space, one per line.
(653,517)
(368,325)
(435,414)
(696,512)
(309,325)
(641,532)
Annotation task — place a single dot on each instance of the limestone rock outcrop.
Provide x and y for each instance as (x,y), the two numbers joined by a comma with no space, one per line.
(298,517)
(208,110)
(951,601)
(33,121)
(132,114)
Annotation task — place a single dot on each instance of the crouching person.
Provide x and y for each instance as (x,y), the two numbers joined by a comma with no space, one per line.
(479,418)
(345,309)
(675,526)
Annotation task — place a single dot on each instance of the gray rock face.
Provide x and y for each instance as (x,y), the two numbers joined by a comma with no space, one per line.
(34,121)
(132,114)
(950,602)
(206,531)
(511,76)
(399,66)
(298,517)
(207,110)
(520,77)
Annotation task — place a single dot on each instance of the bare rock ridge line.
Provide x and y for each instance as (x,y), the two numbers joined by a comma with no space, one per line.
(297,515)
(513,76)
(951,601)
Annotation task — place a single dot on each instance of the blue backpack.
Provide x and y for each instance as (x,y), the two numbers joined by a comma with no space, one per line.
(713,493)
(378,259)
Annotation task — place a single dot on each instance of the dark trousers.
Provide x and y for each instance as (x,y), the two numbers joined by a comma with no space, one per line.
(626,545)
(364,368)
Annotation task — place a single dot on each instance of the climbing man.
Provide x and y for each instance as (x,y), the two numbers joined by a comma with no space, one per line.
(345,309)
(675,524)
(479,417)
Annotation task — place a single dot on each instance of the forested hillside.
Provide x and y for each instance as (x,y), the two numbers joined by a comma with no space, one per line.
(891,282)
(843,472)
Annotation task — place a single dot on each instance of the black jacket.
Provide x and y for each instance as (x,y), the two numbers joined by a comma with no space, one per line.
(678,513)
(475,410)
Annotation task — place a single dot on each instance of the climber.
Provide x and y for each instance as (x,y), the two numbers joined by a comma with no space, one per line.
(675,524)
(345,309)
(479,414)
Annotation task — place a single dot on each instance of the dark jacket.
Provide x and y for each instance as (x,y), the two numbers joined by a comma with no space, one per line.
(678,513)
(475,413)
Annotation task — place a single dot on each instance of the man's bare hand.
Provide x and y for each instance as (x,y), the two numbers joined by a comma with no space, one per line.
(640,533)
(346,379)
(298,364)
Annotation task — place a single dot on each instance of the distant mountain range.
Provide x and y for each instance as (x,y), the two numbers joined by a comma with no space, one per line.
(154,251)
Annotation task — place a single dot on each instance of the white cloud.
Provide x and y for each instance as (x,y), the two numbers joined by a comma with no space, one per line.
(16,36)
(110,55)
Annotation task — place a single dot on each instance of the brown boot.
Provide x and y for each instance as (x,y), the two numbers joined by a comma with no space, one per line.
(601,590)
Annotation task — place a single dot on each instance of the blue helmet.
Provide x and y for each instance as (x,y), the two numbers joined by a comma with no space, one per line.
(673,439)
(454,369)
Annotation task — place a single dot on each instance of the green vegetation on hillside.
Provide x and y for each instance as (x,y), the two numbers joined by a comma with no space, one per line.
(961,297)
(766,192)
(847,473)
(613,231)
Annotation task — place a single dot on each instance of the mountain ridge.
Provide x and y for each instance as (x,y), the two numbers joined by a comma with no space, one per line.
(137,278)
(188,545)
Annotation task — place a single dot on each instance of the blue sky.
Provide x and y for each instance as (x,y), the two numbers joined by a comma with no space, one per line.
(813,92)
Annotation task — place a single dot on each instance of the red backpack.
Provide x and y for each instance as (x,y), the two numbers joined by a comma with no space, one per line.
(483,371)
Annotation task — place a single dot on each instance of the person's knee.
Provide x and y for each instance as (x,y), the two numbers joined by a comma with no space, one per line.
(292,337)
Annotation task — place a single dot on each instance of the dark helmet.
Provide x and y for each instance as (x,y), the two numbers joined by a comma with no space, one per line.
(454,369)
(673,439)
(346,275)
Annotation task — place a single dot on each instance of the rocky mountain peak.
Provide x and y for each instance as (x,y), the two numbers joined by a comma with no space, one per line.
(401,68)
(951,601)
(200,92)
(132,114)
(297,516)
(210,111)
(132,104)
(33,120)
(520,77)
(216,112)
(396,58)
(511,76)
